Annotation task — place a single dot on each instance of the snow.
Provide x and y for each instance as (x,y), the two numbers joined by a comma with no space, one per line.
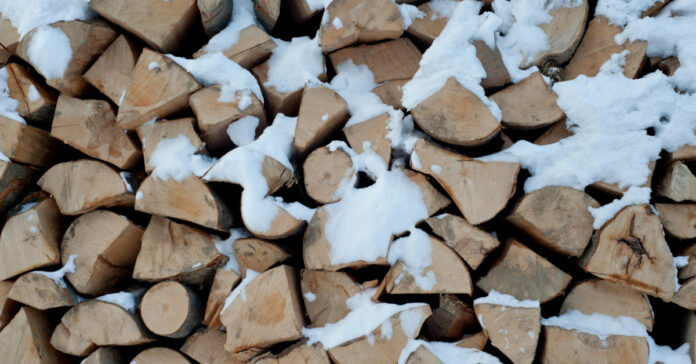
(448,353)
(25,207)
(49,51)
(128,300)
(620,12)
(33,94)
(442,8)
(243,130)
(303,56)
(242,17)
(240,289)
(679,262)
(437,169)
(3,157)
(315,5)
(59,275)
(8,105)
(409,13)
(633,196)
(325,117)
(415,251)
(176,158)
(226,247)
(337,23)
(43,12)
(126,176)
(153,66)
(139,195)
(496,298)
(310,297)
(415,161)
(120,99)
(410,322)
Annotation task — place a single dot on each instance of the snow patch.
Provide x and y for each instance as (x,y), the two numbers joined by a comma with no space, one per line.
(59,275)
(176,158)
(49,50)
(310,297)
(448,353)
(634,196)
(43,12)
(303,56)
(242,17)
(496,298)
(226,247)
(409,13)
(243,130)
(127,300)
(415,251)
(33,94)
(240,289)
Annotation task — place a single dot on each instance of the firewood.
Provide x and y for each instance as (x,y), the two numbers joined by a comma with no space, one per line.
(275,293)
(190,200)
(214,116)
(171,250)
(686,295)
(450,319)
(433,199)
(678,183)
(517,273)
(557,218)
(223,283)
(26,339)
(257,255)
(324,171)
(90,127)
(685,153)
(513,330)
(423,355)
(486,187)
(41,292)
(171,309)
(553,134)
(688,332)
(155,92)
(254,45)
(84,185)
(9,37)
(561,346)
(678,220)
(322,111)
(474,341)
(276,175)
(529,104)
(95,320)
(111,73)
(300,10)
(325,294)
(26,144)
(390,93)
(267,12)
(375,132)
(471,243)
(160,355)
(425,29)
(689,270)
(105,355)
(152,133)
(36,101)
(631,250)
(299,353)
(598,45)
(15,182)
(215,15)
(668,65)
(613,189)
(601,296)
(377,20)
(287,103)
(30,239)
(390,60)
(8,307)
(455,115)
(207,346)
(163,25)
(66,342)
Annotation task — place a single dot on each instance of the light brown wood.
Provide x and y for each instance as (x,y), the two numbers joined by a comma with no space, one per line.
(30,239)
(598,45)
(450,319)
(111,73)
(479,189)
(631,250)
(215,15)
(678,220)
(374,21)
(171,309)
(325,294)
(492,61)
(66,342)
(455,115)
(474,341)
(152,133)
(267,12)
(425,29)
(84,185)
(601,296)
(299,353)
(668,65)
(390,92)
(105,355)
(276,294)
(157,92)
(26,144)
(423,355)
(322,112)
(160,355)
(560,346)
(257,255)
(253,46)
(529,104)
(163,25)
(90,127)
(433,199)
(41,292)
(15,182)
(513,330)
(678,183)
(300,11)
(613,189)
(686,295)
(207,346)
(688,332)
(373,131)
(36,101)
(9,37)
(223,283)
(190,200)
(553,134)
(521,273)
(8,307)
(390,60)
(277,175)
(684,153)
(470,242)
(95,321)
(171,250)
(324,171)
(26,339)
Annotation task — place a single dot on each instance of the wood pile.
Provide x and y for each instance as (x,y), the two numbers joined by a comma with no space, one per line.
(151,213)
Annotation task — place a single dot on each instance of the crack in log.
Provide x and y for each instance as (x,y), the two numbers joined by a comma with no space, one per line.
(636,245)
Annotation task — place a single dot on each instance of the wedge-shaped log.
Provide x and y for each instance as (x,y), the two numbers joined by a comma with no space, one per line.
(296,354)
(26,339)
(160,355)
(391,60)
(433,199)
(215,15)
(390,93)
(686,295)
(285,102)
(207,346)
(253,46)
(450,319)
(257,255)
(529,104)
(171,309)
(223,283)
(8,307)
(324,171)
(267,12)
(26,144)
(67,342)
(94,321)
(322,112)
(36,101)
(84,185)
(678,183)
(689,270)
(105,355)
(42,292)
(159,87)
(376,20)
(474,341)
(561,346)
(470,242)
(152,133)
(688,332)
(15,182)
(325,294)
(513,330)
(9,37)
(111,73)
(373,130)
(678,220)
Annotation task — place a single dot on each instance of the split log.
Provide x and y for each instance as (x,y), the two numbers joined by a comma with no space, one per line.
(322,112)
(171,309)
(42,292)
(15,182)
(688,333)
(689,270)
(423,355)
(84,185)
(324,171)
(300,10)
(160,355)
(375,132)
(668,65)
(529,104)
(600,296)
(253,46)
(598,45)
(523,274)
(561,346)
(152,133)
(391,60)
(257,255)
(557,218)
(207,346)
(377,20)
(215,15)
(30,239)
(9,37)
(190,200)
(267,12)
(176,251)
(678,220)
(36,101)
(631,250)
(66,342)
(425,29)
(685,153)
(105,355)
(474,341)
(325,294)
(106,245)
(276,294)
(299,353)
(111,73)
(686,295)
(26,144)
(470,242)
(223,283)
(277,175)
(214,116)
(155,92)
(432,198)
(450,319)
(8,307)
(455,115)
(613,189)
(87,41)
(678,183)
(94,321)
(90,127)
(479,189)
(161,24)
(390,93)
(26,339)
(513,330)
(553,134)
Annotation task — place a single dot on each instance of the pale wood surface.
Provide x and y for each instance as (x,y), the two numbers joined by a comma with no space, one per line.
(26,339)
(20,82)
(254,46)
(678,220)
(66,342)
(322,112)
(470,242)
(26,144)
(223,283)
(324,171)
(563,32)
(678,183)
(529,104)
(171,309)
(41,292)
(377,20)
(111,73)
(390,60)
(513,330)
(160,355)
(375,132)
(560,346)
(215,14)
(95,321)
(330,291)
(257,254)
(151,134)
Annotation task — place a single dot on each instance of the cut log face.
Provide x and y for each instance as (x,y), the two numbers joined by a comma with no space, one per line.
(521,273)
(276,294)
(26,144)
(155,92)
(390,93)
(679,220)
(375,132)
(492,61)
(90,127)
(433,199)
(207,347)
(105,355)
(600,296)
(190,200)
(455,115)
(84,185)
(253,46)
(111,73)
(30,239)
(26,339)
(689,270)
(9,37)
(598,45)
(470,242)
(425,29)
(324,171)
(513,330)
(275,102)
(267,11)
(106,245)
(88,40)
(557,218)
(296,354)
(223,283)
(686,295)
(391,60)
(474,341)
(215,15)
(8,307)
(257,255)
(561,346)
(15,182)
(160,355)
(325,294)
(613,189)
(529,104)
(94,321)
(151,134)
(41,292)
(479,189)
(214,116)
(423,355)
(175,251)
(553,134)
(322,112)
(276,175)
(450,319)
(66,342)
(375,21)
(171,309)
(688,332)
(678,184)
(36,101)
(161,24)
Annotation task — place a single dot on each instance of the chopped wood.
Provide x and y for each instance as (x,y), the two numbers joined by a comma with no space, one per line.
(160,355)
(688,332)
(95,321)
(374,131)
(84,185)
(513,330)
(111,73)
(9,37)
(215,15)
(8,307)
(207,347)
(300,10)
(105,355)
(151,134)
(426,28)
(470,242)
(450,319)
(21,83)
(433,199)
(689,270)
(474,341)
(553,134)
(223,283)
(678,220)
(613,189)
(322,112)
(377,20)
(423,355)
(390,93)
(492,61)
(668,65)
(324,171)
(299,353)
(686,295)
(66,342)
(267,12)
(257,255)
(26,144)
(390,60)
(529,104)
(26,339)
(325,294)
(171,309)
(276,175)
(41,292)
(678,183)
(15,182)
(253,46)
(684,153)
(561,346)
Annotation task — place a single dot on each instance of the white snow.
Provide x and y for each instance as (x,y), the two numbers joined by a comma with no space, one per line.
(25,207)
(310,297)
(33,94)
(633,196)
(448,353)
(409,13)
(496,298)
(243,131)
(442,8)
(3,157)
(125,176)
(620,12)
(240,289)
(128,300)
(43,12)
(293,64)
(337,23)
(415,161)
(415,251)
(153,66)
(325,117)
(49,51)
(410,322)
(123,95)
(437,169)
(176,158)
(59,275)
(242,17)
(226,247)
(139,195)
(8,105)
